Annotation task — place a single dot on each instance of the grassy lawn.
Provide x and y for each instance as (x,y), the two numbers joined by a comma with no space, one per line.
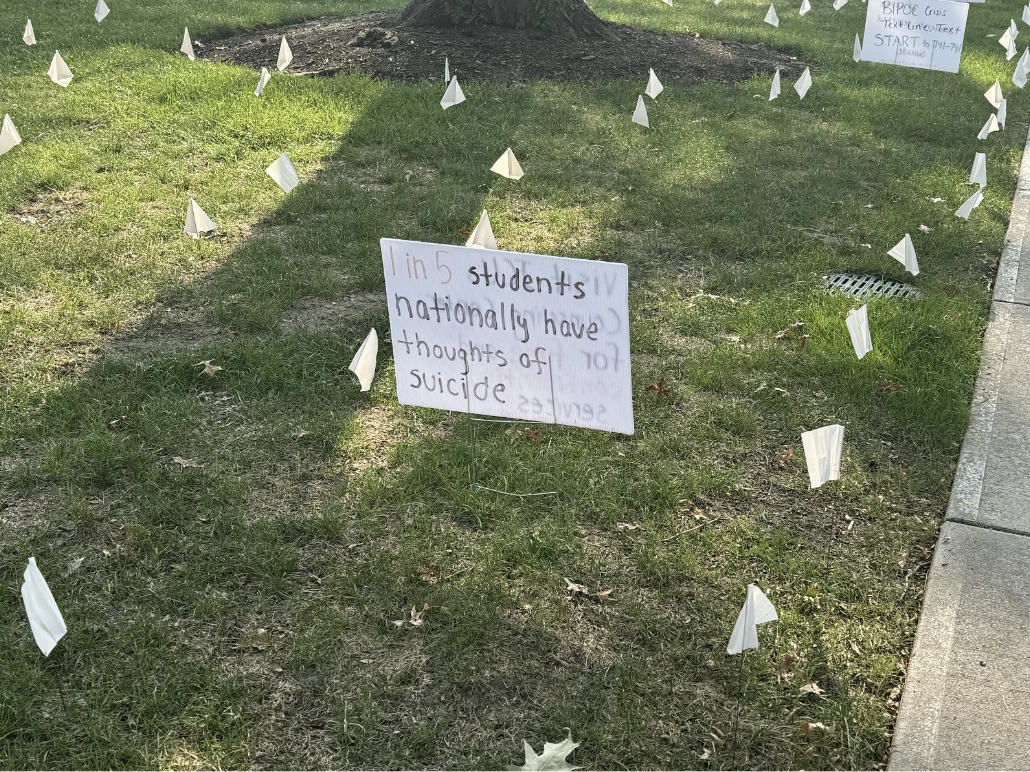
(230,553)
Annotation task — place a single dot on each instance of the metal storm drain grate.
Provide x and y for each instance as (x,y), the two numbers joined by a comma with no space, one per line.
(861,285)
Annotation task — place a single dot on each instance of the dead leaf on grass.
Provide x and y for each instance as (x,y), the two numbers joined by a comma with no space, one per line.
(786,331)
(812,688)
(574,588)
(416,615)
(660,388)
(209,369)
(187,463)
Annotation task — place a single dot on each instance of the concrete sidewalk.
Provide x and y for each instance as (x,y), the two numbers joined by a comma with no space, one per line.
(966,703)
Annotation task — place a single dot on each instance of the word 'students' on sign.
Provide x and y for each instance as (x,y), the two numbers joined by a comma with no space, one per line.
(510,335)
(926,34)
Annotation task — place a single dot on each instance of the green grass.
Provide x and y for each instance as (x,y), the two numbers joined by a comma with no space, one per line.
(319,515)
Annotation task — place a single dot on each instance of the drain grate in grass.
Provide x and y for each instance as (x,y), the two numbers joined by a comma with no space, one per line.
(861,285)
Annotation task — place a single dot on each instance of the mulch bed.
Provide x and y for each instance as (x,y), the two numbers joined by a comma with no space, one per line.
(374,44)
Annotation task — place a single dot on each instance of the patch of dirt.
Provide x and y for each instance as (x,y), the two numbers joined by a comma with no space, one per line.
(49,206)
(374,44)
(321,314)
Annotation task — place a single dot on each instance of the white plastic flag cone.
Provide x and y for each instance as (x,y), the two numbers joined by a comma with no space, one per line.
(774,90)
(978,174)
(804,83)
(101,12)
(187,45)
(9,136)
(1007,40)
(838,4)
(453,95)
(771,17)
(59,72)
(262,81)
(363,364)
(30,35)
(994,95)
(989,128)
(823,449)
(446,70)
(285,55)
(805,7)
(757,611)
(1026,14)
(45,618)
(1003,111)
(483,235)
(970,204)
(905,254)
(858,326)
(508,166)
(640,114)
(282,171)
(856,52)
(654,86)
(197,221)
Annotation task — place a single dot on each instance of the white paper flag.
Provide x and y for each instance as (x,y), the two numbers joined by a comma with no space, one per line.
(668,2)
(59,72)
(640,114)
(453,95)
(774,90)
(989,128)
(363,364)
(483,235)
(978,174)
(1022,69)
(1026,14)
(905,254)
(285,55)
(282,171)
(262,81)
(970,204)
(994,95)
(805,7)
(1003,111)
(757,611)
(823,449)
(654,86)
(187,45)
(858,326)
(30,35)
(45,618)
(197,221)
(1008,40)
(101,12)
(508,166)
(446,70)
(804,83)
(9,136)
(856,52)
(838,4)
(771,17)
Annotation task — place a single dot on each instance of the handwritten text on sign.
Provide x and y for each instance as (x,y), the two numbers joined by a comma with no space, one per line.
(923,33)
(511,335)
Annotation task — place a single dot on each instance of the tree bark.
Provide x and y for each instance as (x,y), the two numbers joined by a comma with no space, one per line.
(565,18)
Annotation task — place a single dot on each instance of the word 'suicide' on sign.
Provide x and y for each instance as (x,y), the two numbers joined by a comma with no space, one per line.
(511,335)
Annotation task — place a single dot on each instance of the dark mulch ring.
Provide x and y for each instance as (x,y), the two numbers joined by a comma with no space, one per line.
(374,44)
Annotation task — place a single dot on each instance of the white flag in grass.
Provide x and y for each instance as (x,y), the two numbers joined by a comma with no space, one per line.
(59,72)
(858,326)
(771,17)
(640,114)
(758,610)
(363,364)
(838,4)
(970,204)
(197,221)
(282,171)
(285,55)
(856,52)
(774,90)
(483,235)
(101,11)
(989,128)
(994,95)
(823,449)
(1026,14)
(453,95)
(45,618)
(978,174)
(446,70)
(187,45)
(30,35)
(1003,111)
(805,7)
(508,166)
(262,81)
(1022,69)
(654,86)
(905,254)
(804,83)
(9,136)
(1008,39)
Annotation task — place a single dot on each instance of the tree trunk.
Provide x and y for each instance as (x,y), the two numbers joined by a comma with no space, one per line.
(567,18)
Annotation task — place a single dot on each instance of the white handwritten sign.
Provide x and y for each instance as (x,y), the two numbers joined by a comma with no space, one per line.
(915,33)
(510,335)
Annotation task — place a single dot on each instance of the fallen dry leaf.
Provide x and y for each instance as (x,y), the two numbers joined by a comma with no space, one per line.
(812,688)
(660,388)
(416,616)
(809,728)
(573,588)
(209,369)
(605,593)
(887,386)
(532,434)
(187,463)
(627,526)
(784,457)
